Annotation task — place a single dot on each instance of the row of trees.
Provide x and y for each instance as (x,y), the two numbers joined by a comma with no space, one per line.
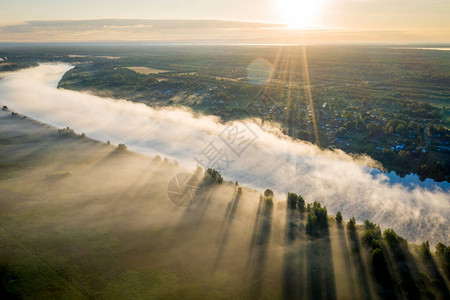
(69,132)
(372,237)
(390,256)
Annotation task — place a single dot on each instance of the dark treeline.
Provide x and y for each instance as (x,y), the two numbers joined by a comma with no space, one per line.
(386,265)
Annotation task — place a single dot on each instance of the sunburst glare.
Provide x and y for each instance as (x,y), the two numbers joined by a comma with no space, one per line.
(299,13)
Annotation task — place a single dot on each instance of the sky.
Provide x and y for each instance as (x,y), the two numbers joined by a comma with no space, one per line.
(344,20)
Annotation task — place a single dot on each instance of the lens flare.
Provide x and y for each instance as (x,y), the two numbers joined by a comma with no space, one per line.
(259,71)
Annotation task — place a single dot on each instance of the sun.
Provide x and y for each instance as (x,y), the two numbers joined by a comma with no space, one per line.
(299,13)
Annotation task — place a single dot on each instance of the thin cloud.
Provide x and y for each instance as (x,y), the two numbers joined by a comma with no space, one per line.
(203,31)
(126,24)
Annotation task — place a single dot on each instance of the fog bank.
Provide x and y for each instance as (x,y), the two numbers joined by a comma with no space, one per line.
(272,160)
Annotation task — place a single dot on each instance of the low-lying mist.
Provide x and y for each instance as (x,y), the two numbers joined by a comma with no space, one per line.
(272,160)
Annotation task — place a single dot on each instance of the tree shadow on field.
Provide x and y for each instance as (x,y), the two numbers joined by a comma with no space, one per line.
(257,257)
(225,231)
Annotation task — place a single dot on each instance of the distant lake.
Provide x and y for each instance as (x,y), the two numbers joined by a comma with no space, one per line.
(412,48)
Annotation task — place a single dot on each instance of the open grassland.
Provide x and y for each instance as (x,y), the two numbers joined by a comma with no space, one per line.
(146,71)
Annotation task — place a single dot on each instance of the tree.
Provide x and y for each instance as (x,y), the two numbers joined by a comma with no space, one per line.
(121,148)
(443,251)
(339,217)
(392,238)
(292,201)
(268,193)
(199,171)
(351,224)
(372,235)
(374,228)
(67,132)
(214,176)
(295,201)
(424,249)
(301,204)
(443,254)
(317,220)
